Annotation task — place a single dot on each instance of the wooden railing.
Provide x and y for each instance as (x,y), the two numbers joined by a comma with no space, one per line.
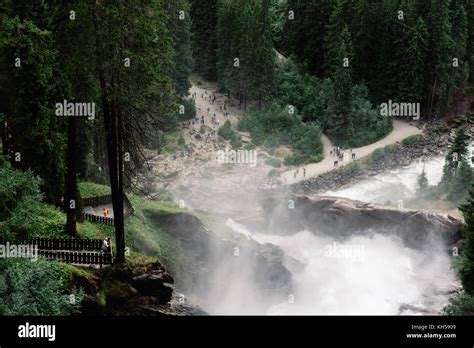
(98,219)
(103,200)
(72,244)
(74,250)
(77,257)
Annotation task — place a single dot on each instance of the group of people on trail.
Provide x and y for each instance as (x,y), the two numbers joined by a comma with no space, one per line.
(211,98)
(297,171)
(107,246)
(341,155)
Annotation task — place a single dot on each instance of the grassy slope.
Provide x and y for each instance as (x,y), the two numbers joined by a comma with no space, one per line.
(141,234)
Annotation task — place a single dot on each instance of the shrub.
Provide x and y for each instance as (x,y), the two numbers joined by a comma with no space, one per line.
(274,173)
(274,162)
(390,148)
(378,154)
(235,142)
(460,305)
(20,199)
(228,133)
(353,168)
(250,146)
(36,288)
(412,139)
(294,160)
(181,141)
(276,126)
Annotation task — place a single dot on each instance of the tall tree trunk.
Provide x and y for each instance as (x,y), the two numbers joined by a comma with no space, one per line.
(71,199)
(118,212)
(111,130)
(4,135)
(432,96)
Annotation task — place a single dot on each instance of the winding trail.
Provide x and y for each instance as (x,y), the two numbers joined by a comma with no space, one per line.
(205,184)
(400,131)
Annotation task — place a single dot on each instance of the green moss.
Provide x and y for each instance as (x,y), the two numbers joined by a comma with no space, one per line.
(89,189)
(102,297)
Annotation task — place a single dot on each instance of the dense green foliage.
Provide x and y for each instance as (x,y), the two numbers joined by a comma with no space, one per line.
(455,155)
(403,49)
(277,125)
(464,303)
(245,53)
(35,132)
(179,25)
(321,101)
(422,184)
(20,197)
(36,288)
(204,22)
(228,133)
(457,172)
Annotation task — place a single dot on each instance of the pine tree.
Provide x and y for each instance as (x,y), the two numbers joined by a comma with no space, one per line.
(342,127)
(470,40)
(133,56)
(366,32)
(412,62)
(204,23)
(36,135)
(460,70)
(303,34)
(226,52)
(467,269)
(338,22)
(179,25)
(441,48)
(422,183)
(460,182)
(263,55)
(455,154)
(243,68)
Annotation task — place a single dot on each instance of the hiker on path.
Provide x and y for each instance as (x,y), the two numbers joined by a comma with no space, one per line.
(105,245)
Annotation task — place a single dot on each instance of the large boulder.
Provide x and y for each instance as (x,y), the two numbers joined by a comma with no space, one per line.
(211,263)
(341,217)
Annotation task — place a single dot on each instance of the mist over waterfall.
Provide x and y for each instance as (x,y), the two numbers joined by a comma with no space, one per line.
(363,274)
(393,185)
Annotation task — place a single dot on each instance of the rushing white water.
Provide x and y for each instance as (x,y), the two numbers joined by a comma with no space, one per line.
(370,274)
(393,185)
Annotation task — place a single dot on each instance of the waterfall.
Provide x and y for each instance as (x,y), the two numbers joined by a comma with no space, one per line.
(369,274)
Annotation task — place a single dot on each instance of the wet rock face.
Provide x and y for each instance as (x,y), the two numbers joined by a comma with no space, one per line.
(208,261)
(138,288)
(340,217)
